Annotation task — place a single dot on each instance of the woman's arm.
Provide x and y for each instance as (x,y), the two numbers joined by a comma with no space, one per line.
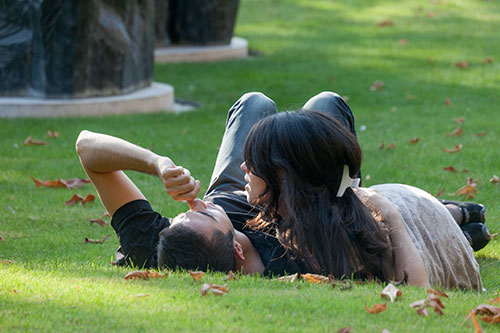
(409,265)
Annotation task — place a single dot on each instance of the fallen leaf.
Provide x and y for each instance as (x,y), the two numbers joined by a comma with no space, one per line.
(391,146)
(430,60)
(468,190)
(230,277)
(459,120)
(377,85)
(331,79)
(345,330)
(289,278)
(142,295)
(385,330)
(440,193)
(477,327)
(97,241)
(74,200)
(106,215)
(494,180)
(69,183)
(31,142)
(53,134)
(457,132)
(156,274)
(381,145)
(488,60)
(392,292)
(376,308)
(385,23)
(487,313)
(88,198)
(216,290)
(196,275)
(431,14)
(471,182)
(15,291)
(464,170)
(453,150)
(447,101)
(495,300)
(99,222)
(368,177)
(2,239)
(432,301)
(8,262)
(314,278)
(414,140)
(134,275)
(403,41)
(461,64)
(450,168)
(410,97)
(482,133)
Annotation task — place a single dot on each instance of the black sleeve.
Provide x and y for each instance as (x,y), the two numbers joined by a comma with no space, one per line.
(138,227)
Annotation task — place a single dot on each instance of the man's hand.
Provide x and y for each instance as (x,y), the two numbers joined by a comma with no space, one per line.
(177,180)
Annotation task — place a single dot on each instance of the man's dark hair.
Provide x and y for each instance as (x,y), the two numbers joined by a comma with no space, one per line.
(183,247)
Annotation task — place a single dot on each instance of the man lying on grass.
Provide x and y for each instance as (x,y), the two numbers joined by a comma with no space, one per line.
(212,234)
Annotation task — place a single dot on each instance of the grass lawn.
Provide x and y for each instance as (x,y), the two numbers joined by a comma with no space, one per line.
(58,282)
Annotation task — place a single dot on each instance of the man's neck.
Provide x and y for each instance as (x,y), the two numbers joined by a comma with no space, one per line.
(252,263)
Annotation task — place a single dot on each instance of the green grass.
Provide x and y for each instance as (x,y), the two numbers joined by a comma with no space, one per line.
(308,46)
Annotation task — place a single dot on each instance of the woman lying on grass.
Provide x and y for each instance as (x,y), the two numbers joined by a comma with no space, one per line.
(299,166)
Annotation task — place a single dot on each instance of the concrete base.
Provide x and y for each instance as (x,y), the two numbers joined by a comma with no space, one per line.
(237,49)
(157,97)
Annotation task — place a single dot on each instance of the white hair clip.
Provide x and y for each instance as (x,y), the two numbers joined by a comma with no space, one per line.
(347,181)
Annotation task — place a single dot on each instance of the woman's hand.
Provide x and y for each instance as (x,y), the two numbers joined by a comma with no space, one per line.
(177,180)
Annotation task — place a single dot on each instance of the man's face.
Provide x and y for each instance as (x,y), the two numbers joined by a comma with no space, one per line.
(205,218)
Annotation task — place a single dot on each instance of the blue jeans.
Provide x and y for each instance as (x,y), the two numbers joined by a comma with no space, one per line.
(247,111)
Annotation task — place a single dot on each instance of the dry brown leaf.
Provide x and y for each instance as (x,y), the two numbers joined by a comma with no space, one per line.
(216,290)
(434,302)
(106,215)
(68,183)
(391,291)
(157,275)
(7,262)
(457,132)
(431,14)
(74,200)
(381,145)
(289,278)
(385,23)
(376,308)
(482,133)
(345,330)
(461,64)
(53,134)
(403,41)
(495,180)
(488,313)
(97,241)
(468,190)
(88,198)
(414,140)
(391,146)
(477,327)
(196,275)
(377,85)
(437,292)
(453,150)
(142,295)
(314,278)
(495,300)
(410,97)
(99,222)
(32,142)
(440,193)
(2,239)
(230,277)
(134,275)
(447,101)
(471,182)
(450,168)
(488,60)
(15,291)
(459,120)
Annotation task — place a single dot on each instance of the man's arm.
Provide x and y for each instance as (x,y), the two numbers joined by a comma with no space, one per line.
(104,157)
(409,265)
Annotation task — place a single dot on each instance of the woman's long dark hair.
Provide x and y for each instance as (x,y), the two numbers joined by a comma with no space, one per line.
(301,155)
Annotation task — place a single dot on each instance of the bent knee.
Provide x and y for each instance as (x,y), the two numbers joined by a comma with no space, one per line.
(259,99)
